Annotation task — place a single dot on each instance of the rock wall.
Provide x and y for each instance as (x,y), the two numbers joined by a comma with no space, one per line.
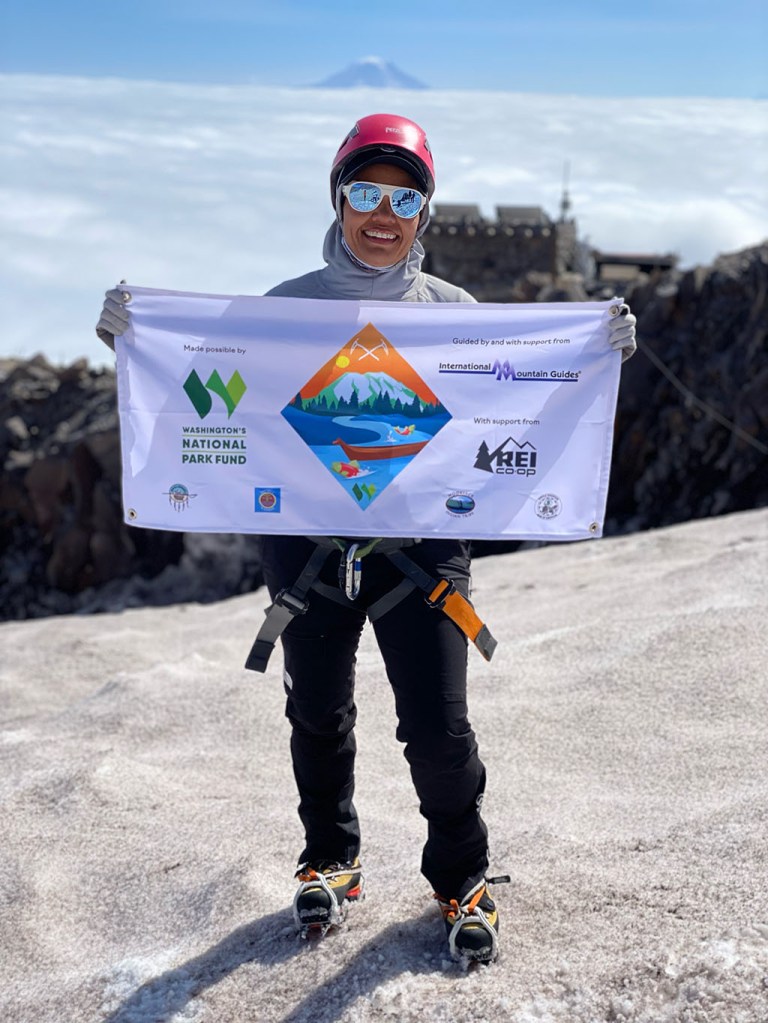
(63,544)
(64,547)
(673,460)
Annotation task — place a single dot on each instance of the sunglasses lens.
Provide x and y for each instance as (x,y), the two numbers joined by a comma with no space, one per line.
(406,203)
(364,197)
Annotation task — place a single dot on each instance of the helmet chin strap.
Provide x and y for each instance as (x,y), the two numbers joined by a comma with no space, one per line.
(361,263)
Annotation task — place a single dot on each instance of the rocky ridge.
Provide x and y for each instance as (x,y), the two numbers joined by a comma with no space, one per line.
(674,458)
(63,545)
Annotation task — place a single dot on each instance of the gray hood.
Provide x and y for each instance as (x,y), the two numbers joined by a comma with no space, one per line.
(342,278)
(345,276)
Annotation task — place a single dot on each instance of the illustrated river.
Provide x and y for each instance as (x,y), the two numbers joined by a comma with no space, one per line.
(363,478)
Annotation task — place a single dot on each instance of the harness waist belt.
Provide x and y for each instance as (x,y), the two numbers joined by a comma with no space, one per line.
(440,594)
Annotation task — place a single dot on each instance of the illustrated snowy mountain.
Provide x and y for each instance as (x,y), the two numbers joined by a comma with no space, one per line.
(371,72)
(367,386)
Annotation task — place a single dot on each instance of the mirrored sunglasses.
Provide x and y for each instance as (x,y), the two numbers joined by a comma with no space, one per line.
(365,196)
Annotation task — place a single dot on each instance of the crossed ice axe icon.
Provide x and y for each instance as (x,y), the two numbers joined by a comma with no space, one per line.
(370,351)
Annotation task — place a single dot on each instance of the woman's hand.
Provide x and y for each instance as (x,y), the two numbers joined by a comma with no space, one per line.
(622,334)
(114,319)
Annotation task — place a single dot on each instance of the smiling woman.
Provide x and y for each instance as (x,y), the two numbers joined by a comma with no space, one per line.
(382,179)
(381,182)
(375,413)
(381,239)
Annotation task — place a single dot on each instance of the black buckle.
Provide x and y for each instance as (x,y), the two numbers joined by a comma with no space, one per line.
(294,604)
(440,601)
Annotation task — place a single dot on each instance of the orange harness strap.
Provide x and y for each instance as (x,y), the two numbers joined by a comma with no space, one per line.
(443,595)
(447,599)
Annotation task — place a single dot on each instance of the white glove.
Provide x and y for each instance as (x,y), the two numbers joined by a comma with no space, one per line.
(115,318)
(622,334)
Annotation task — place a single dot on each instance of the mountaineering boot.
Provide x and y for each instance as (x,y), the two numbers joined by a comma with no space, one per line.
(472,925)
(325,888)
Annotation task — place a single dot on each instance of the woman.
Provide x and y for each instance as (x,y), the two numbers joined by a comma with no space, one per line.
(382,180)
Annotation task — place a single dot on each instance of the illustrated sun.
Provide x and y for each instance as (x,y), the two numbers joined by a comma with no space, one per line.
(342,362)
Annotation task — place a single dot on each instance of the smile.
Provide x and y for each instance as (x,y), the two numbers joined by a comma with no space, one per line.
(384,235)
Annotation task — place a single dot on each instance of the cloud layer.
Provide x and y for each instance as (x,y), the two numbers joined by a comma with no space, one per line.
(224,188)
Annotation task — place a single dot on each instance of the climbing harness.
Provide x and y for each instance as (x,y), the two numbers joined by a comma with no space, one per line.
(440,594)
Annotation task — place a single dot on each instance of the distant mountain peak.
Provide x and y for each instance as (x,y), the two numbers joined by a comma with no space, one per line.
(372,73)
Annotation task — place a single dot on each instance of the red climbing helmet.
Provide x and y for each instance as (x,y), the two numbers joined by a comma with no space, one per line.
(387,138)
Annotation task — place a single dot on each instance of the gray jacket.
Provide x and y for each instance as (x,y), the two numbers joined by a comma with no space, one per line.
(341,278)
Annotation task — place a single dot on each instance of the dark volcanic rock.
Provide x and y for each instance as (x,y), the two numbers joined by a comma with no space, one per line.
(63,544)
(703,358)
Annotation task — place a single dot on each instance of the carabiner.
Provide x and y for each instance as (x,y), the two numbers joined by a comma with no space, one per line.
(353,570)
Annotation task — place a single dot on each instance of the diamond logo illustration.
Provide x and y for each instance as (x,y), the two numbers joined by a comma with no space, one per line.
(366,414)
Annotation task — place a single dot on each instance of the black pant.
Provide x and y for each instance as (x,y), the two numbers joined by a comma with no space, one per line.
(425,655)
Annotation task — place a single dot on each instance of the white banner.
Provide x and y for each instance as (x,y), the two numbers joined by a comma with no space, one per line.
(302,416)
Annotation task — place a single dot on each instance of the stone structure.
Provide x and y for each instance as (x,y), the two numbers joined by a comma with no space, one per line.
(522,255)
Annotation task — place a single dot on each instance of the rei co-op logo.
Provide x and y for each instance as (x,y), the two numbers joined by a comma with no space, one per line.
(508,459)
(200,394)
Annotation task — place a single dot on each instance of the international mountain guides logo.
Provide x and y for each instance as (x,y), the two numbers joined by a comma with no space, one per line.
(506,371)
(366,414)
(200,394)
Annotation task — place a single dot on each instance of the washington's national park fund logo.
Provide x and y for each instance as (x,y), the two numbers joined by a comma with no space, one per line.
(199,393)
(366,414)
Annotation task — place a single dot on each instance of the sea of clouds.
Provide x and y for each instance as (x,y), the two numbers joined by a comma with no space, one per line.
(224,189)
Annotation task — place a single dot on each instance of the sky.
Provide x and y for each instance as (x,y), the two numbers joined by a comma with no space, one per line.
(595,47)
(177,145)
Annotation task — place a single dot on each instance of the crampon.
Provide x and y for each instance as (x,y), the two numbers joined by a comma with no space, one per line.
(325,890)
(472,924)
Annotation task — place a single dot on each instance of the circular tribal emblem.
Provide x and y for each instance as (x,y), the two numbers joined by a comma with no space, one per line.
(178,496)
(548,506)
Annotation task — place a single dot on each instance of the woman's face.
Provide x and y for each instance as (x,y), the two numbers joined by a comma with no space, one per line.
(380,238)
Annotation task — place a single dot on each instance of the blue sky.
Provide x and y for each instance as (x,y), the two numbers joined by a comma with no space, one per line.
(600,48)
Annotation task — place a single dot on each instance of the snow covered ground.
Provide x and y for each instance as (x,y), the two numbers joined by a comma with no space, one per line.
(148,828)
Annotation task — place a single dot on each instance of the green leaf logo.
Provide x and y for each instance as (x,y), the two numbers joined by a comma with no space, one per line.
(198,393)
